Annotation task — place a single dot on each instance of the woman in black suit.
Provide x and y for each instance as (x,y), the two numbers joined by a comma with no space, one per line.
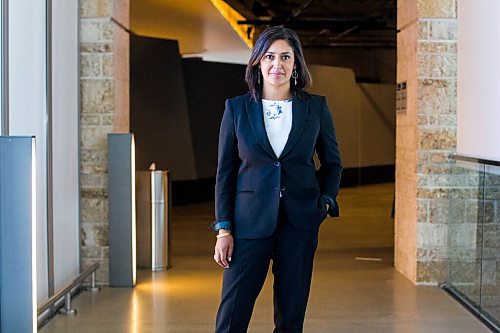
(269,198)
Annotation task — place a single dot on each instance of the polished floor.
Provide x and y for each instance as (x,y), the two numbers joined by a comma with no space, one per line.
(355,286)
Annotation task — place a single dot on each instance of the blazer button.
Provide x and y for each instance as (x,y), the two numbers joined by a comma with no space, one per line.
(277,163)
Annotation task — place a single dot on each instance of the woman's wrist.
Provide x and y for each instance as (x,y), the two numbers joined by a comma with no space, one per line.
(223,231)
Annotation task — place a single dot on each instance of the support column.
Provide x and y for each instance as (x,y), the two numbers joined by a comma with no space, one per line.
(104,51)
(425,136)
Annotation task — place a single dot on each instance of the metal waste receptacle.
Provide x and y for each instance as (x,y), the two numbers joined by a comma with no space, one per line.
(153,219)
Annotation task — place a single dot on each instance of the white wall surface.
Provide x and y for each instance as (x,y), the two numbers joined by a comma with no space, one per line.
(28,116)
(65,140)
(478,109)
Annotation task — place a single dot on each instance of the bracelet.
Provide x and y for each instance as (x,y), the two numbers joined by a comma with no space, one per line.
(223,235)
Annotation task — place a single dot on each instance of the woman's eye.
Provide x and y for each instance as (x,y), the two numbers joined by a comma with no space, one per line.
(269,56)
(286,57)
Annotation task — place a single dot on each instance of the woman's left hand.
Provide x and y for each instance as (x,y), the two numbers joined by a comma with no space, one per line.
(224,250)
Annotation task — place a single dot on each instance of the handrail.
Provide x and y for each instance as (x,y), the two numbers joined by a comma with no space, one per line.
(474,159)
(65,293)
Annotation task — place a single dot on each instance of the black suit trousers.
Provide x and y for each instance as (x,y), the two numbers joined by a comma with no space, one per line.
(291,252)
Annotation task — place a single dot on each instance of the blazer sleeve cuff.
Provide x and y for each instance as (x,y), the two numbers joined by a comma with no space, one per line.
(331,203)
(217,225)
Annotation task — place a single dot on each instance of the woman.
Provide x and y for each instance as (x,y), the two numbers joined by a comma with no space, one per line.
(269,199)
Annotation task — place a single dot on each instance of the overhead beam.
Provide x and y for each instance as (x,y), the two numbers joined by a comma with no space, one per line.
(245,31)
(357,45)
(341,23)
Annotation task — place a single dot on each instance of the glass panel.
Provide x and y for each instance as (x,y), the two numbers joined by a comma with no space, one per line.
(490,290)
(474,236)
(465,229)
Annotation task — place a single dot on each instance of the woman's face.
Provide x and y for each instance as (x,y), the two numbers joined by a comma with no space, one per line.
(278,64)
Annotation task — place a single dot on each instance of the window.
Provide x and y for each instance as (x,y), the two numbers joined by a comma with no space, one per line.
(4,120)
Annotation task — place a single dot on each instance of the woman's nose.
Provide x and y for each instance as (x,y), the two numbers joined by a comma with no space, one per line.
(276,63)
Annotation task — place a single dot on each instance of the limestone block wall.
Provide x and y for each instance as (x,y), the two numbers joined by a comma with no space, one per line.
(447,226)
(436,131)
(425,137)
(104,109)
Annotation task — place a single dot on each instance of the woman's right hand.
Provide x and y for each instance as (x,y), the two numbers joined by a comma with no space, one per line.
(223,249)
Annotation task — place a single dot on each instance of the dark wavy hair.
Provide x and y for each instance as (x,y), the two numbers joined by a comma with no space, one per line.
(266,38)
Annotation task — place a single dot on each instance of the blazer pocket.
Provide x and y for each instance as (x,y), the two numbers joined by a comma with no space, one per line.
(244,191)
(313,119)
(312,189)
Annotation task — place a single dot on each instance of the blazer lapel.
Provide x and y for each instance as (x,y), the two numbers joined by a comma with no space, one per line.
(300,112)
(256,116)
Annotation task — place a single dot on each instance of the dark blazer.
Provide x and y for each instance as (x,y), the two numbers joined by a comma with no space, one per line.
(250,176)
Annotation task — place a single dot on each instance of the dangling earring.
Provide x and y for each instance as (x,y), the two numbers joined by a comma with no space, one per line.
(295,75)
(258,76)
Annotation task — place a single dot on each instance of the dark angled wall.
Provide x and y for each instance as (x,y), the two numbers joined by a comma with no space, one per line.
(175,110)
(208,85)
(158,108)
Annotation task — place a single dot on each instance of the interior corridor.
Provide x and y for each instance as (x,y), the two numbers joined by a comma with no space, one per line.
(355,286)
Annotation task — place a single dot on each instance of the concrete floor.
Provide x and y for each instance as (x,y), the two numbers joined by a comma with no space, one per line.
(355,286)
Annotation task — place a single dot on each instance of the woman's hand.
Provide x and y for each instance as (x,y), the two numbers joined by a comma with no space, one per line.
(223,249)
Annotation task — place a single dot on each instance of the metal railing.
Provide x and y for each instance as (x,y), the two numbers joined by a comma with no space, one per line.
(62,299)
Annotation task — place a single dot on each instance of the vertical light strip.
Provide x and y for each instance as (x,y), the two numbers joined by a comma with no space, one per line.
(33,235)
(153,222)
(79,136)
(4,40)
(134,239)
(49,147)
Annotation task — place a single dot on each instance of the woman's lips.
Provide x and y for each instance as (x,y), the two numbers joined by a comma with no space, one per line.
(276,74)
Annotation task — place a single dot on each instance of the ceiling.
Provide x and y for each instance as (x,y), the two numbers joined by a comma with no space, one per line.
(326,23)
(202,31)
(197,25)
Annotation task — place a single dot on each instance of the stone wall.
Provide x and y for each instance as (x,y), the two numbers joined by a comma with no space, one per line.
(425,136)
(447,226)
(436,131)
(103,111)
